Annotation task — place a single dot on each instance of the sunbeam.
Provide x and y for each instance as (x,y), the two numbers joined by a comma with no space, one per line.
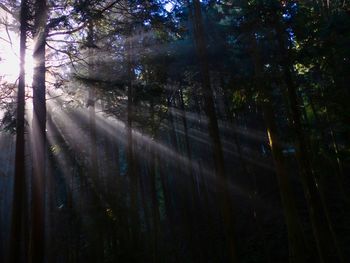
(174,131)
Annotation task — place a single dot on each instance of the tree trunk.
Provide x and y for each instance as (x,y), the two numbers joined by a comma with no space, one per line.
(297,245)
(318,218)
(91,106)
(39,135)
(223,182)
(131,172)
(152,171)
(18,202)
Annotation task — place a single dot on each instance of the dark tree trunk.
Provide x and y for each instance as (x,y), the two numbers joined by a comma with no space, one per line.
(91,105)
(214,133)
(152,171)
(39,135)
(320,224)
(16,238)
(131,172)
(297,244)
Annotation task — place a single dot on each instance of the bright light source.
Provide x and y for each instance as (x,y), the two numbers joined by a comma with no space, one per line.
(169,7)
(9,60)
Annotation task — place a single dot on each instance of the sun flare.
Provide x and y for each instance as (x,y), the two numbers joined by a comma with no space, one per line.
(9,63)
(9,56)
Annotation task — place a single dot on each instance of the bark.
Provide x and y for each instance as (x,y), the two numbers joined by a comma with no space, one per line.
(253,194)
(152,171)
(195,189)
(184,188)
(168,199)
(131,172)
(187,145)
(16,238)
(155,205)
(91,107)
(297,245)
(94,172)
(39,135)
(213,127)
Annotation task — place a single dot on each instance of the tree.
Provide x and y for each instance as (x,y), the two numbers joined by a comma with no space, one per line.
(39,134)
(223,182)
(16,239)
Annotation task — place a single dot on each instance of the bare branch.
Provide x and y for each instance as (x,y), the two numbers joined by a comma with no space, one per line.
(4,7)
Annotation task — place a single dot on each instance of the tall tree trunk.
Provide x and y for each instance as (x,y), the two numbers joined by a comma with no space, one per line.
(152,171)
(320,224)
(297,244)
(39,135)
(187,146)
(194,188)
(133,180)
(91,107)
(231,116)
(213,127)
(94,172)
(182,188)
(18,203)
(155,204)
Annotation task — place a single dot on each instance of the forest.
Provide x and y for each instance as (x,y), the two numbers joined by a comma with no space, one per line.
(175,131)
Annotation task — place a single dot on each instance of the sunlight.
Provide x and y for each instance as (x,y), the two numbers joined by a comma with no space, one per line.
(169,7)
(9,61)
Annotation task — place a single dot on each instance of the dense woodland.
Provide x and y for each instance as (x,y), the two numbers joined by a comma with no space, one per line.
(175,131)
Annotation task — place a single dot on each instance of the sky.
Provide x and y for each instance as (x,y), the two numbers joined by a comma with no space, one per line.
(9,52)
